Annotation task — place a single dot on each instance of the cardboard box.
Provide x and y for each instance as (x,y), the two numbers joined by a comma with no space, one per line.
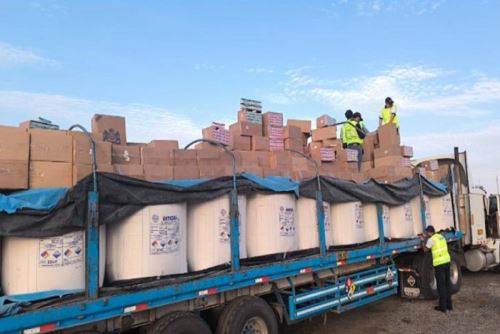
(241,143)
(185,157)
(135,171)
(253,169)
(45,174)
(159,153)
(246,158)
(245,129)
(13,174)
(208,157)
(300,163)
(379,153)
(390,174)
(109,129)
(388,136)
(80,171)
(82,153)
(324,121)
(315,145)
(294,144)
(14,144)
(186,172)
(276,145)
(305,126)
(331,143)
(326,154)
(407,151)
(259,143)
(164,144)
(221,170)
(431,165)
(394,160)
(274,119)
(217,132)
(292,132)
(268,171)
(280,160)
(50,145)
(125,154)
(249,116)
(351,155)
(324,133)
(274,132)
(158,172)
(203,146)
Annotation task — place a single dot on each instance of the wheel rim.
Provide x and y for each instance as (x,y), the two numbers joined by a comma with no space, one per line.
(255,325)
(453,273)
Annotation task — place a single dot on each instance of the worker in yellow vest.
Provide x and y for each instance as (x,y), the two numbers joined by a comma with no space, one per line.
(352,136)
(348,116)
(388,114)
(441,259)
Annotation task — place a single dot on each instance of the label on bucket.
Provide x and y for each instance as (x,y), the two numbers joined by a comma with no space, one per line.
(286,222)
(326,213)
(61,251)
(224,228)
(165,234)
(408,212)
(358,215)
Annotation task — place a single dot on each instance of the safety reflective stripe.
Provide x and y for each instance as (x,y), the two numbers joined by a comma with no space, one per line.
(439,250)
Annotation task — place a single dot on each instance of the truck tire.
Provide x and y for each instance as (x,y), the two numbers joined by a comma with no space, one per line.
(248,314)
(423,265)
(180,323)
(455,274)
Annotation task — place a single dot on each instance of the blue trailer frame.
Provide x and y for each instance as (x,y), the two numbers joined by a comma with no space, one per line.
(93,308)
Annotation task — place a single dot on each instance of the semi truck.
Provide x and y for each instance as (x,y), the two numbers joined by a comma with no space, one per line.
(265,296)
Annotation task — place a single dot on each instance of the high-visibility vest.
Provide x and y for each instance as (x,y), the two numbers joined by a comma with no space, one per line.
(350,133)
(439,250)
(385,115)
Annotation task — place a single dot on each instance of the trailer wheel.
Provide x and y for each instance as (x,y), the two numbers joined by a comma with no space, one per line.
(455,274)
(423,264)
(180,323)
(248,314)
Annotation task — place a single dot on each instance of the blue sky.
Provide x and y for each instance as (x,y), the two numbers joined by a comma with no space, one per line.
(173,67)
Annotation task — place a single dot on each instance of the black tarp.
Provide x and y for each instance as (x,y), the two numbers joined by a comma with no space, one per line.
(121,196)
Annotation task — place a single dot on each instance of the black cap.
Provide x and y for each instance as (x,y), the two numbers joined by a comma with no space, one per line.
(357,114)
(348,114)
(388,100)
(430,228)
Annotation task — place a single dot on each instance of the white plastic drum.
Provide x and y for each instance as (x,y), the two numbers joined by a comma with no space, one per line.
(307,224)
(348,226)
(370,215)
(418,227)
(56,263)
(441,210)
(150,243)
(209,242)
(401,221)
(271,224)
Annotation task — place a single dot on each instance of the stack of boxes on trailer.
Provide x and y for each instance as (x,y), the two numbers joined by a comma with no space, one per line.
(35,158)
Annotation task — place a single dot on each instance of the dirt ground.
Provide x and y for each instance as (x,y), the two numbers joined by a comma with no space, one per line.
(476,310)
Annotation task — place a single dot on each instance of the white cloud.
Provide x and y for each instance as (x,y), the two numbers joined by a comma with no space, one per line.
(480,140)
(260,70)
(144,122)
(11,56)
(375,7)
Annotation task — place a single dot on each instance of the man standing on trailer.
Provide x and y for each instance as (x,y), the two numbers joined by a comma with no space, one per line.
(388,114)
(353,136)
(441,261)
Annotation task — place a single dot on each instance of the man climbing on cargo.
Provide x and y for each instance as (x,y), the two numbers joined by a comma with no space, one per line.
(348,116)
(441,259)
(353,135)
(388,114)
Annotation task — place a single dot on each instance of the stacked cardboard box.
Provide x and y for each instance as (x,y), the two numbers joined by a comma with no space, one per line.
(272,123)
(217,132)
(14,155)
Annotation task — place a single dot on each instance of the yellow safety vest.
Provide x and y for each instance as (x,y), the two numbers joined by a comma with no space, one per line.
(350,134)
(439,250)
(385,115)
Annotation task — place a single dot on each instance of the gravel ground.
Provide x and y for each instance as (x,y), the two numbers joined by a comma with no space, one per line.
(476,310)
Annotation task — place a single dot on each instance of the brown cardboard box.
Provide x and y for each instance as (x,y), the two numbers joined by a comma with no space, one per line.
(324,121)
(331,143)
(126,154)
(158,172)
(185,157)
(314,145)
(388,136)
(293,132)
(324,154)
(249,116)
(245,129)
(186,172)
(240,143)
(109,129)
(259,143)
(392,160)
(303,174)
(135,171)
(203,146)
(217,132)
(407,151)
(386,152)
(329,132)
(155,155)
(305,126)
(82,154)
(44,174)
(366,166)
(280,160)
(274,119)
(255,170)
(208,157)
(431,165)
(13,174)
(50,145)
(164,144)
(246,158)
(274,132)
(294,144)
(300,163)
(221,170)
(390,173)
(14,144)
(80,171)
(268,171)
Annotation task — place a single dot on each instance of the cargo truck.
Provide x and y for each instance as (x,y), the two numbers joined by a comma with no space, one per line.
(263,296)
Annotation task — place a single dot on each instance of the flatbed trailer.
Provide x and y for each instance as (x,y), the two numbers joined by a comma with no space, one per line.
(245,297)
